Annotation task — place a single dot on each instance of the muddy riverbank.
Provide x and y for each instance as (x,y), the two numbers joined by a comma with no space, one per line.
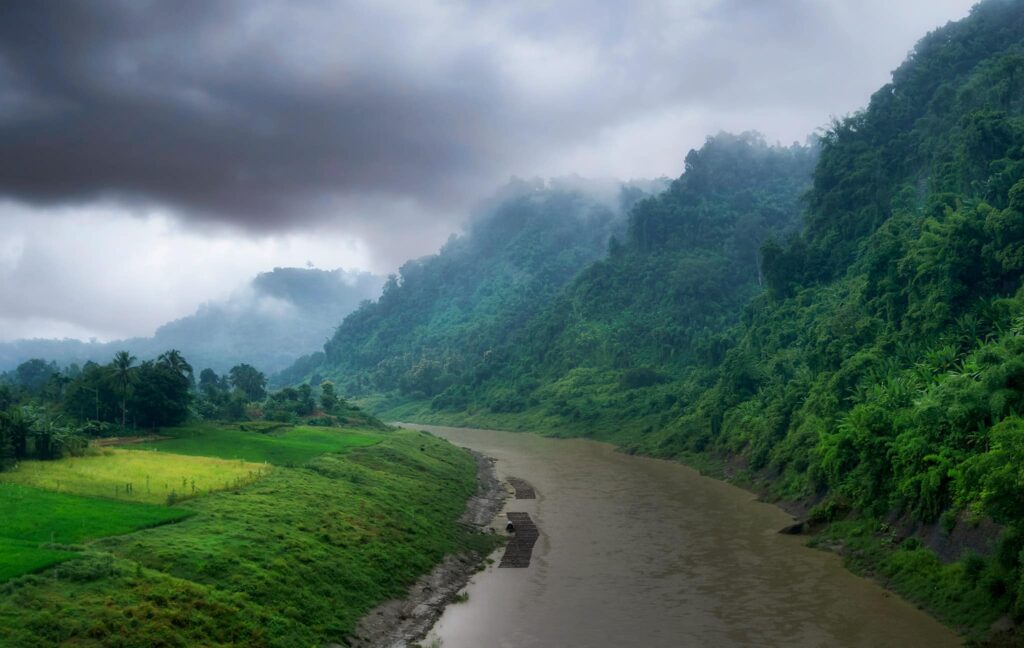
(403,622)
(639,551)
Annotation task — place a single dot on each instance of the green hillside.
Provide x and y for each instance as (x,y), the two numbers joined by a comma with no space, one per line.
(662,298)
(861,352)
(442,313)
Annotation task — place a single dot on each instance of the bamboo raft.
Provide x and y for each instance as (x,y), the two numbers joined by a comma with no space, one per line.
(523,489)
(520,548)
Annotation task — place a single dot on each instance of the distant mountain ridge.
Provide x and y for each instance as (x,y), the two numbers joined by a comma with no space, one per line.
(280,315)
(444,312)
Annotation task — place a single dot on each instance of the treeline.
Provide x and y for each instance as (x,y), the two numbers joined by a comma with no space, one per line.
(47,412)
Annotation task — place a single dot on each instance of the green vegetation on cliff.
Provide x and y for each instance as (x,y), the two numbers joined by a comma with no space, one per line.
(442,313)
(863,352)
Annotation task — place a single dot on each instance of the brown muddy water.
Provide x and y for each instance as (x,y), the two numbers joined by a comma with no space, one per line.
(641,552)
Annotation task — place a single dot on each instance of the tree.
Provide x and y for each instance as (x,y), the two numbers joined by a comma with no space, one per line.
(33,375)
(124,375)
(92,394)
(210,384)
(994,477)
(328,399)
(250,380)
(14,431)
(161,396)
(176,362)
(305,398)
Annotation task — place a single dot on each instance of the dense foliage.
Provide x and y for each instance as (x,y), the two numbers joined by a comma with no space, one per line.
(882,364)
(868,359)
(663,296)
(443,312)
(47,412)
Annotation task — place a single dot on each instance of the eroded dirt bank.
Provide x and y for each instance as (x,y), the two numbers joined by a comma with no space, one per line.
(403,622)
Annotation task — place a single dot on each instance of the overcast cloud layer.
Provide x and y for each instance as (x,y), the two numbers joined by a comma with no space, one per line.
(236,136)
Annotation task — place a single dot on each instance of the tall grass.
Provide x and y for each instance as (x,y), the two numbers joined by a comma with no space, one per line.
(137,475)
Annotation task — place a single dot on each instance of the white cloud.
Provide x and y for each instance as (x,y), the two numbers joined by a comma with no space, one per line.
(103,272)
(358,135)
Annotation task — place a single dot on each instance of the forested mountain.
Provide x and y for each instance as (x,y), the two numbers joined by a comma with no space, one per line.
(868,358)
(444,312)
(882,365)
(662,298)
(280,315)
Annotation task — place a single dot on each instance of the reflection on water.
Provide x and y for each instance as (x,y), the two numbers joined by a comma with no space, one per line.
(640,552)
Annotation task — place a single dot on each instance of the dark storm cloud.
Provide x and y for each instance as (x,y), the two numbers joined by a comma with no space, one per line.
(273,114)
(358,134)
(144,99)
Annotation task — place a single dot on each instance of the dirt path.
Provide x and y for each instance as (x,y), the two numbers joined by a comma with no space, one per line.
(401,623)
(127,440)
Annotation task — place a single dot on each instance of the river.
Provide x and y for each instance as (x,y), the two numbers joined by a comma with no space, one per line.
(642,552)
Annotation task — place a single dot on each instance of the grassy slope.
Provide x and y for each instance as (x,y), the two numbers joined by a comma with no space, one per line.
(292,560)
(32,517)
(282,446)
(18,557)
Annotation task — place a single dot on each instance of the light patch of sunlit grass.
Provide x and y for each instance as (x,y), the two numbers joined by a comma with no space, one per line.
(137,475)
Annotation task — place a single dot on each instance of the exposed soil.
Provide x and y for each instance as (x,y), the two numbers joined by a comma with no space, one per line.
(966,536)
(401,623)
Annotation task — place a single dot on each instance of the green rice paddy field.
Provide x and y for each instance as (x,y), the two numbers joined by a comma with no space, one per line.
(292,558)
(274,444)
(35,520)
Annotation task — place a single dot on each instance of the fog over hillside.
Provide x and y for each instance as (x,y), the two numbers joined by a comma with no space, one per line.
(274,318)
(625,296)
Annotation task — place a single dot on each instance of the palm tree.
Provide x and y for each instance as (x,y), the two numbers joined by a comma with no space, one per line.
(123,376)
(176,362)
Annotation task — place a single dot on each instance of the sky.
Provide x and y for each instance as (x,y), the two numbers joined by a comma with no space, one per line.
(155,155)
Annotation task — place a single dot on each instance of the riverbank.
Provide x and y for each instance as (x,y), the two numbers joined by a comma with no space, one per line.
(295,558)
(637,551)
(915,562)
(402,622)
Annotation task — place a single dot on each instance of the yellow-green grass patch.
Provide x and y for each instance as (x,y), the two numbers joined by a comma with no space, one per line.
(136,475)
